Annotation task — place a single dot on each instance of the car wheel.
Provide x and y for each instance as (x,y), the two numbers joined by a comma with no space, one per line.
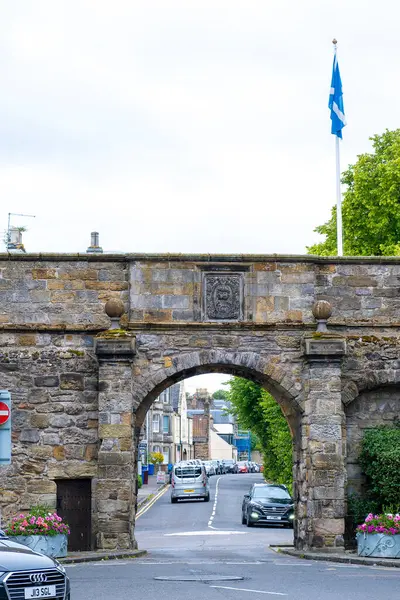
(243,519)
(248,522)
(174,500)
(207,498)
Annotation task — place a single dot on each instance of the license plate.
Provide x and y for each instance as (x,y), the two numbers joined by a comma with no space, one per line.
(188,491)
(41,591)
(274,518)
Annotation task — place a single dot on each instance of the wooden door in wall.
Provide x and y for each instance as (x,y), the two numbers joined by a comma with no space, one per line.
(74,505)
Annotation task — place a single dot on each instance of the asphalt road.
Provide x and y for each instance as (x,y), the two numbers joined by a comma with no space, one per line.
(201,551)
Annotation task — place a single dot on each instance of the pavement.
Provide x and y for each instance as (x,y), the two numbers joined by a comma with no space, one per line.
(202,551)
(345,557)
(147,491)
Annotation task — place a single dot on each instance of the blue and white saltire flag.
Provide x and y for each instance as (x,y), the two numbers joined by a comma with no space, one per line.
(336,101)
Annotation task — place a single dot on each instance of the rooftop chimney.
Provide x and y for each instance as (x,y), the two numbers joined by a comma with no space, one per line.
(15,239)
(94,243)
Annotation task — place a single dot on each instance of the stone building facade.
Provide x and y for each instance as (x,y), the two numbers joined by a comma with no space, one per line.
(81,390)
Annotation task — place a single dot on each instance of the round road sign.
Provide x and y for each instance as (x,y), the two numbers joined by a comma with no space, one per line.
(4,413)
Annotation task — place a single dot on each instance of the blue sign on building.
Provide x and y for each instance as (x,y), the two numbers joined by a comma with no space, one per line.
(5,428)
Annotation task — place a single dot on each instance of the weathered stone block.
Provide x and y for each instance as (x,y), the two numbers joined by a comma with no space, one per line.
(41,421)
(47,381)
(329,526)
(44,273)
(72,381)
(115,431)
(29,435)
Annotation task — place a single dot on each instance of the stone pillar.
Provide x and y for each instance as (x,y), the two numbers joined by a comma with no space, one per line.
(321,509)
(116,486)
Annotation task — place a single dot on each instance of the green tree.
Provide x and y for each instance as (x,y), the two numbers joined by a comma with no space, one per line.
(380,461)
(220,395)
(256,410)
(371,204)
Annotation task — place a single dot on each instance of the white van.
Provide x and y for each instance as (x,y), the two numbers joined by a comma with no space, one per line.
(189,481)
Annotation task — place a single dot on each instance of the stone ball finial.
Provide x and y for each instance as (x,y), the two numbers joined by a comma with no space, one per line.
(114,308)
(322,310)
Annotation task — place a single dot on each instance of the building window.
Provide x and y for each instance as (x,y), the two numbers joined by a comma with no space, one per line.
(156,449)
(165,424)
(166,396)
(166,456)
(156,423)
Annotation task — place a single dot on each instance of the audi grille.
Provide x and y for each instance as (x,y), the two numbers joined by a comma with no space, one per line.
(16,582)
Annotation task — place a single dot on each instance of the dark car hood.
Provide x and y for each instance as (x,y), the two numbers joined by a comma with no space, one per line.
(274,503)
(16,557)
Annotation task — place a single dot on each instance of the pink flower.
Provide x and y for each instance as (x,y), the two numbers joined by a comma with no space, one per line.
(369,517)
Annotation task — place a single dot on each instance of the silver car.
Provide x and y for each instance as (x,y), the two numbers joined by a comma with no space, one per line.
(210,469)
(189,481)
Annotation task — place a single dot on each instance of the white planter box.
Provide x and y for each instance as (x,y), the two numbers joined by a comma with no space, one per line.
(50,545)
(378,545)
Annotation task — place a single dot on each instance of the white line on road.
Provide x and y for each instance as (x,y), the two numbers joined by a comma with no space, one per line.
(150,504)
(225,587)
(206,532)
(215,504)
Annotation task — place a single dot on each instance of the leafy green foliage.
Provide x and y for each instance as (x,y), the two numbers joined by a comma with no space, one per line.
(371,204)
(220,395)
(380,461)
(257,411)
(139,481)
(359,507)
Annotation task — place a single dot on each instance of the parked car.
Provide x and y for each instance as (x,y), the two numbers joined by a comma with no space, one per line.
(268,503)
(243,466)
(189,481)
(217,466)
(28,574)
(229,465)
(210,469)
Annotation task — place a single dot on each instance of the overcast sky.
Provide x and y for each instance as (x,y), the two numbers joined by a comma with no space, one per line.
(185,126)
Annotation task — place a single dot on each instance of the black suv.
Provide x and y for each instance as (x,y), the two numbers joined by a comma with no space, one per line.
(27,574)
(269,504)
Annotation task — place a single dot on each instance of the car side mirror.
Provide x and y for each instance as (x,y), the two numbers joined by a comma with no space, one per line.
(247,495)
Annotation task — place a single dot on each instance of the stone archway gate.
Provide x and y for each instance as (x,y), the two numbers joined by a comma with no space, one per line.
(81,388)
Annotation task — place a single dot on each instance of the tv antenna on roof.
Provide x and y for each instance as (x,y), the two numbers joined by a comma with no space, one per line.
(9,224)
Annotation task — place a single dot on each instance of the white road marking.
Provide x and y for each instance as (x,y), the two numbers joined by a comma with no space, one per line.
(215,504)
(225,587)
(213,532)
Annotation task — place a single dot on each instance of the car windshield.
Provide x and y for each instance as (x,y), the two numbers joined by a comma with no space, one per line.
(228,461)
(188,472)
(270,493)
(242,463)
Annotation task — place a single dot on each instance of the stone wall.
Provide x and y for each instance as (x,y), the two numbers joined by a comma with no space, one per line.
(59,292)
(80,392)
(53,380)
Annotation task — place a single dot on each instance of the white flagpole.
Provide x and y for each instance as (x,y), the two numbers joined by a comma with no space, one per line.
(338,202)
(339,229)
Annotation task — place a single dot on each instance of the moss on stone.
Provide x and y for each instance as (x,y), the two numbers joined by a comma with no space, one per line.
(111,334)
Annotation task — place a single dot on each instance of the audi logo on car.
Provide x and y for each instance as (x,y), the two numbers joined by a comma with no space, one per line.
(38,577)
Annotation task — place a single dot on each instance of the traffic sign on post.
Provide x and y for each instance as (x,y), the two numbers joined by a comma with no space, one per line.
(5,427)
(4,413)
